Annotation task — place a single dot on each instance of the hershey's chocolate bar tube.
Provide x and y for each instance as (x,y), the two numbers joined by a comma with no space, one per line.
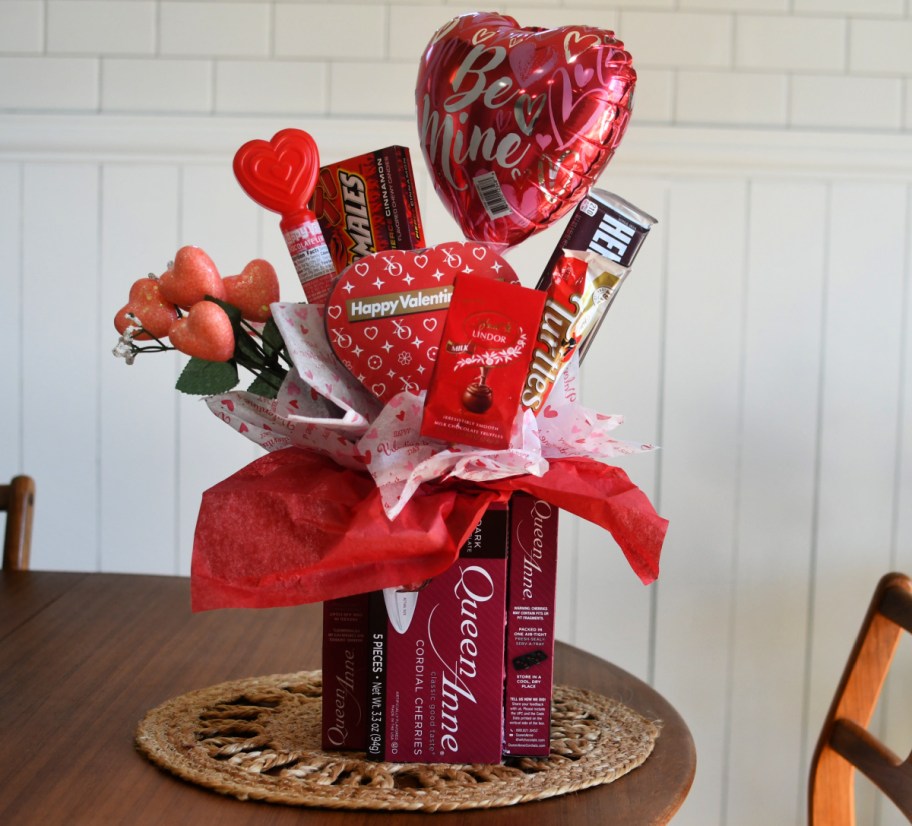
(603,223)
(608,225)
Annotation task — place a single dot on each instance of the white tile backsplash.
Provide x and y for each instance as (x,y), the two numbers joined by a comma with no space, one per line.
(411,27)
(790,43)
(654,96)
(101,27)
(894,8)
(739,6)
(215,29)
(732,98)
(41,84)
(881,46)
(169,85)
(677,39)
(21,26)
(840,102)
(330,31)
(373,89)
(771,63)
(261,87)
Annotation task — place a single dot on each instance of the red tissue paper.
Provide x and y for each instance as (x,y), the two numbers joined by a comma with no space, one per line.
(294,527)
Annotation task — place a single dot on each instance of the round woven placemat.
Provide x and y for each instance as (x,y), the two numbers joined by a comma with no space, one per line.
(259,738)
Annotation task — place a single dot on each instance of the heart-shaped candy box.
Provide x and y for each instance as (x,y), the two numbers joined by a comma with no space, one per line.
(385,314)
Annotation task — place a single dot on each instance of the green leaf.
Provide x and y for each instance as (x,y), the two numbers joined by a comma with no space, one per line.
(232,312)
(206,378)
(263,388)
(246,344)
(272,340)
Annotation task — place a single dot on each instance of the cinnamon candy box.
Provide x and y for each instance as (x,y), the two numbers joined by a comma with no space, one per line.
(367,204)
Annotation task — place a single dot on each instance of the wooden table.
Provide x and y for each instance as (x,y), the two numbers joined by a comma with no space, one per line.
(84,656)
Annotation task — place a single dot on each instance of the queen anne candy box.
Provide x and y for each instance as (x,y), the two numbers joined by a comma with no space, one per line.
(459,670)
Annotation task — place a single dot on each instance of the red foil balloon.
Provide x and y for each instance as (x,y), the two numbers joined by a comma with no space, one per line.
(516,124)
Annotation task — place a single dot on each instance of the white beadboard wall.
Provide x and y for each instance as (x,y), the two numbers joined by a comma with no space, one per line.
(763,338)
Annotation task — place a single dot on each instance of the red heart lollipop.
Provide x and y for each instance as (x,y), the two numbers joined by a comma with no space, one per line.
(280,174)
(517,124)
(385,315)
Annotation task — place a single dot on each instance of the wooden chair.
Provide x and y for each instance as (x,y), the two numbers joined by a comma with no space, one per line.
(18,500)
(845,743)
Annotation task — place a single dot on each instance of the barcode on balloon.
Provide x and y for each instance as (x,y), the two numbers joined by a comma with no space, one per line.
(492,198)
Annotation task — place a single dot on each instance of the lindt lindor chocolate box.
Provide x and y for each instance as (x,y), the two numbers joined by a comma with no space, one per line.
(530,626)
(345,673)
(437,692)
(368,204)
(488,340)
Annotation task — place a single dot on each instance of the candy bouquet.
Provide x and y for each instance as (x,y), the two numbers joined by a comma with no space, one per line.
(420,410)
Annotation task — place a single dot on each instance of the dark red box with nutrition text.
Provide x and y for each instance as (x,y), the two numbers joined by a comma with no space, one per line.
(530,626)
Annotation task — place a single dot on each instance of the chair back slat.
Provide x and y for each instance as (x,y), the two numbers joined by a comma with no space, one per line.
(18,500)
(897,607)
(845,744)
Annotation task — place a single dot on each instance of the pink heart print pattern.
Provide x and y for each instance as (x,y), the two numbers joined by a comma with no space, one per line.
(385,314)
(303,329)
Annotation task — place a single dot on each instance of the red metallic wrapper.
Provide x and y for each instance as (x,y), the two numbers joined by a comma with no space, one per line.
(582,287)
(606,225)
(603,223)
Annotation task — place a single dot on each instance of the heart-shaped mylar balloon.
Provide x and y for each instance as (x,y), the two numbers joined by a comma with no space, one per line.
(516,124)
(384,317)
